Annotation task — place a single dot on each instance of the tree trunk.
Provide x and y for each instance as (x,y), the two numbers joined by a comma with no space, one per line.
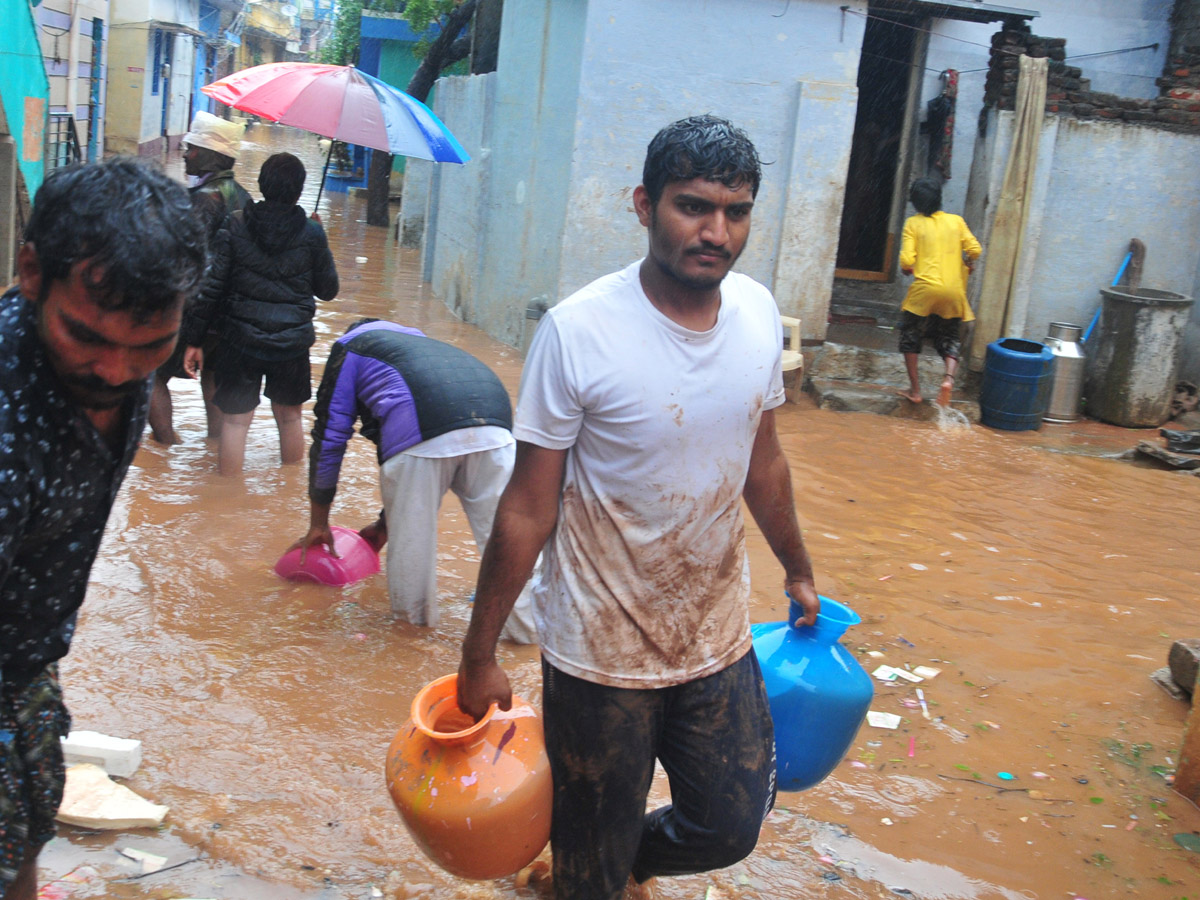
(444,51)
(485,36)
(379,188)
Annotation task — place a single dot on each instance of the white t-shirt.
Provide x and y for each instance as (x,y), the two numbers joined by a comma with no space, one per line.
(646,581)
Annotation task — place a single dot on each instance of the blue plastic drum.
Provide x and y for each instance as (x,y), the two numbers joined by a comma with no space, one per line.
(1017,378)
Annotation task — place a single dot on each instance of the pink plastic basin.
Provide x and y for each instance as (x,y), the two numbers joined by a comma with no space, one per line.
(355,561)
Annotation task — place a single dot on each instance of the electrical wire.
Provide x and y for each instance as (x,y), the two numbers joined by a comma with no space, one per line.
(1011,52)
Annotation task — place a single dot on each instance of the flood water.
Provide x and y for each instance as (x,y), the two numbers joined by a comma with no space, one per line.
(1045,586)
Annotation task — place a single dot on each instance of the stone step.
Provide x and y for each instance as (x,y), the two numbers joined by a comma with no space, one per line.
(843,362)
(859,396)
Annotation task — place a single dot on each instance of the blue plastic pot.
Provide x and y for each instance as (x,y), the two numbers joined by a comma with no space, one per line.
(819,694)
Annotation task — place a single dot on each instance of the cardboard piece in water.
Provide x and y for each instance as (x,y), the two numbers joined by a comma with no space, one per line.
(93,800)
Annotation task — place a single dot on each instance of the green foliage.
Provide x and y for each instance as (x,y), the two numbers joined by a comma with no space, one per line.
(420,14)
(342,48)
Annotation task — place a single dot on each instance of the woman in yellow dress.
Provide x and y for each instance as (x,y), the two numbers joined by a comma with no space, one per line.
(938,249)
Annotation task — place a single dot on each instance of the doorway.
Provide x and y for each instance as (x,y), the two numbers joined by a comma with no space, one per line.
(889,82)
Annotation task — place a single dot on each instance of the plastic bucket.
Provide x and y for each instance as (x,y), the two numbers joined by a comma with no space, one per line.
(1016,384)
(355,561)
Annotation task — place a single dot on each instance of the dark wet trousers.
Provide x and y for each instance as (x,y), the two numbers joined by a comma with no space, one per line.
(716,743)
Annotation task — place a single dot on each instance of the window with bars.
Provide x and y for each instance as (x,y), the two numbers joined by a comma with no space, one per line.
(62,141)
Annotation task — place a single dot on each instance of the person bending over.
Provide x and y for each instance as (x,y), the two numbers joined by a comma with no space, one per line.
(441,421)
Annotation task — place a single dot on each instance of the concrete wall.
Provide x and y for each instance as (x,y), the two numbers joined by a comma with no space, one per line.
(458,242)
(497,222)
(1098,185)
(787,80)
(1097,26)
(581,88)
(134,114)
(123,115)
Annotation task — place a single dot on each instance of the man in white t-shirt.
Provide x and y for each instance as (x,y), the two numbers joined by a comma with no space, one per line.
(644,419)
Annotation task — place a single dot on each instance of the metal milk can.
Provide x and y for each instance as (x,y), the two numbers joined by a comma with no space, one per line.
(1066,387)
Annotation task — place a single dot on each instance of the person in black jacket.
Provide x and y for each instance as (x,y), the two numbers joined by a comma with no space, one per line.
(261,300)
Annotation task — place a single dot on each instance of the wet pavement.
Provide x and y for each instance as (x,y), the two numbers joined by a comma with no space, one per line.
(1045,585)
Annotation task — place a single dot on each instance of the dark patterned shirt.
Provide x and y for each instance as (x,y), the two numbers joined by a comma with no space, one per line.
(58,480)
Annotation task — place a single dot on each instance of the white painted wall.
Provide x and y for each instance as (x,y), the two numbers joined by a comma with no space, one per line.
(1099,184)
(581,88)
(1090,27)
(559,139)
(787,80)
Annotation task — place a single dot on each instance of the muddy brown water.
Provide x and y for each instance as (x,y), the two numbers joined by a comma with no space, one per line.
(1045,586)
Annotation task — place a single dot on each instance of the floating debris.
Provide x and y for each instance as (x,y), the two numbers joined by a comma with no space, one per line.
(924,705)
(1188,841)
(877,719)
(151,862)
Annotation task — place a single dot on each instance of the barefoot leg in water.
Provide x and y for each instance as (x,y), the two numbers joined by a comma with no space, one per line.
(913,394)
(946,390)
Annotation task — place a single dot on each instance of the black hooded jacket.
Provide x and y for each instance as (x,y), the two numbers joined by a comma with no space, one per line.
(266,269)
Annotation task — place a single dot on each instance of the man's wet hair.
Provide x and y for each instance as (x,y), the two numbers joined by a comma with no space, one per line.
(701,147)
(206,160)
(143,246)
(926,195)
(281,178)
(358,322)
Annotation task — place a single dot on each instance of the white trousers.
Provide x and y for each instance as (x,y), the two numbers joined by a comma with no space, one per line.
(413,487)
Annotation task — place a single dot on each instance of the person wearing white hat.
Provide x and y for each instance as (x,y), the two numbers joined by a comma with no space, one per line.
(210,148)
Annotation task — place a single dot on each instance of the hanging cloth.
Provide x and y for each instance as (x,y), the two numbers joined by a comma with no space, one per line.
(939,124)
(999,305)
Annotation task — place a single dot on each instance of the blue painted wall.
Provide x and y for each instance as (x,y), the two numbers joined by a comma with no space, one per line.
(530,127)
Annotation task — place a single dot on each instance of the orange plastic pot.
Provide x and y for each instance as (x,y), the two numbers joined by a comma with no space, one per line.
(475,796)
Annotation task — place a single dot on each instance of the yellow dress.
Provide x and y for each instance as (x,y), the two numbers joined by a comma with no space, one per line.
(933,247)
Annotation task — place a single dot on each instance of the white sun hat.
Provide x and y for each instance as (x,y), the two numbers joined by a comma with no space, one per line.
(214,133)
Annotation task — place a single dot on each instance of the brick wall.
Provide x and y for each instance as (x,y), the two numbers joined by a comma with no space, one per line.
(1185,26)
(1177,108)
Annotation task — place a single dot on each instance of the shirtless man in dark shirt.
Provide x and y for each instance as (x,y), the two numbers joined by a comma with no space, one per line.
(111,253)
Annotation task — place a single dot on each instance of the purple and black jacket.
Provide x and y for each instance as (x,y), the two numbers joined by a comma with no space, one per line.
(406,388)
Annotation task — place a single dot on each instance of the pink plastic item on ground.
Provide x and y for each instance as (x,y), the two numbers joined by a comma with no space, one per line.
(355,561)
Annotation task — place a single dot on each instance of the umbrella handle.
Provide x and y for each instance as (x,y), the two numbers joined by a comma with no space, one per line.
(324,171)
